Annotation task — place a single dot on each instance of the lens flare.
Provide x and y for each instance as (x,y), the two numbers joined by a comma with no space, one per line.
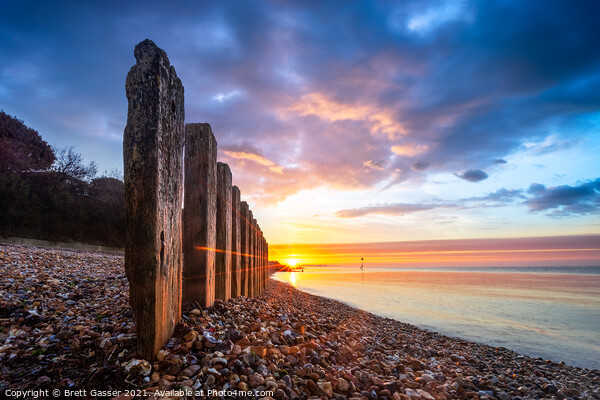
(292,262)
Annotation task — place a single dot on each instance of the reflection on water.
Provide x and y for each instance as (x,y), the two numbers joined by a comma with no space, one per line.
(550,315)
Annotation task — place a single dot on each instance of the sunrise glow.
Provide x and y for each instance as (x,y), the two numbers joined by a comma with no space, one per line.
(557,251)
(292,262)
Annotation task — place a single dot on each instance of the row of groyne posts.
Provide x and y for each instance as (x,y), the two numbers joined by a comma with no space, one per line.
(189,237)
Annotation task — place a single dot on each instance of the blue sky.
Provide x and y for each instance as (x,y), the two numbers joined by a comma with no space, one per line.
(343,121)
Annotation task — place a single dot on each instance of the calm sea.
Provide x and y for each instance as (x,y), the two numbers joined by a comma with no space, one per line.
(549,312)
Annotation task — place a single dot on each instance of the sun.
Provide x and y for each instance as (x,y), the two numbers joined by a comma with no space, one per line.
(292,262)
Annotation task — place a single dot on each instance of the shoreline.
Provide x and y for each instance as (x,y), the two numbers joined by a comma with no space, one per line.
(525,342)
(288,342)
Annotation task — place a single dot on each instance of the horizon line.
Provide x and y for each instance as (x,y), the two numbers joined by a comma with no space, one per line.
(441,240)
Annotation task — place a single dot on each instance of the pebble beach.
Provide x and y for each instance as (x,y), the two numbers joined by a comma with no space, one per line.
(65,323)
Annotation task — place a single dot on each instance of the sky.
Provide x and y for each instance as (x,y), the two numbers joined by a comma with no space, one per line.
(343,122)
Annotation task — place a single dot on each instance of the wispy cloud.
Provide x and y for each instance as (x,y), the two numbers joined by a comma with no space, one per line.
(409,150)
(434,16)
(564,200)
(393,209)
(240,155)
(500,196)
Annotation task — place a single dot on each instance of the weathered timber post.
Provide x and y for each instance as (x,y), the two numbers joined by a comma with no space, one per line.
(267,262)
(260,265)
(264,258)
(223,262)
(153,166)
(251,253)
(245,246)
(256,259)
(236,252)
(199,215)
(260,262)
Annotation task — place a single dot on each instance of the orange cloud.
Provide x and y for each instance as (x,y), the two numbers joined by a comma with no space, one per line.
(382,121)
(409,150)
(241,155)
(262,181)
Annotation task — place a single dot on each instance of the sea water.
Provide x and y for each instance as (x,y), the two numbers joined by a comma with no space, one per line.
(548,312)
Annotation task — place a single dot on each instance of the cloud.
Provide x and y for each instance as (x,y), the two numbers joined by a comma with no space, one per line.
(566,200)
(409,150)
(473,175)
(502,196)
(380,121)
(378,165)
(550,144)
(450,11)
(391,209)
(536,189)
(428,86)
(500,161)
(256,158)
(420,166)
(273,186)
(222,97)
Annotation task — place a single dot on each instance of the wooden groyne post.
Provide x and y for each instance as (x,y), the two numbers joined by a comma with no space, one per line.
(223,255)
(153,165)
(252,256)
(200,215)
(236,252)
(258,282)
(255,258)
(266,278)
(245,246)
(262,261)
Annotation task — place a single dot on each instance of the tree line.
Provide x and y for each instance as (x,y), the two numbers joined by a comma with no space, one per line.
(50,194)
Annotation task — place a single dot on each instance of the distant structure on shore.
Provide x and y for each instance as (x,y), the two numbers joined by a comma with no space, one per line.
(362,263)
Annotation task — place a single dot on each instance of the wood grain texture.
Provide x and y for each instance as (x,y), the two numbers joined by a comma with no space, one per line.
(223,255)
(199,215)
(153,167)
